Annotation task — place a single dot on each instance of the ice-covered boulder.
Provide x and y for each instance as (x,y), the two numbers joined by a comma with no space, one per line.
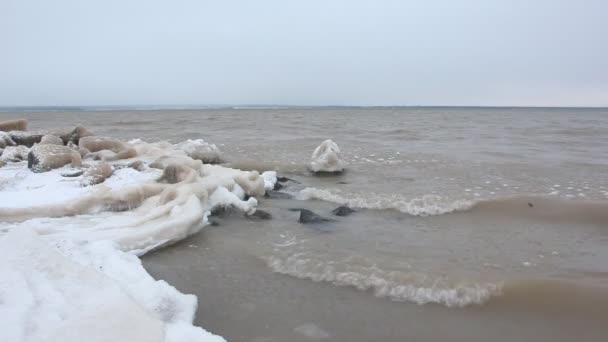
(326,158)
(26,138)
(13,125)
(42,158)
(5,140)
(104,148)
(50,139)
(201,150)
(14,153)
(67,135)
(97,174)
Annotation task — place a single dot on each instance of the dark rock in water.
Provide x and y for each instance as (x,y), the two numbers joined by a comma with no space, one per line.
(277,195)
(343,211)
(342,182)
(307,216)
(214,222)
(530,205)
(223,211)
(261,214)
(277,186)
(72,173)
(286,179)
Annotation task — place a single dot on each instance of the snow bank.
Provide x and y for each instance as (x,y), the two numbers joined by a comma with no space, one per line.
(69,253)
(86,292)
(326,158)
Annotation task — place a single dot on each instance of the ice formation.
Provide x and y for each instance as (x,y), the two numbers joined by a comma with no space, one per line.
(70,238)
(201,150)
(326,158)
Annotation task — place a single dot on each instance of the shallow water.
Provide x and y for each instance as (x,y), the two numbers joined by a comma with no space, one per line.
(498,214)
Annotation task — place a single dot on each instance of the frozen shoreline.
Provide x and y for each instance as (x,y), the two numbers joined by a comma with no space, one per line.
(70,250)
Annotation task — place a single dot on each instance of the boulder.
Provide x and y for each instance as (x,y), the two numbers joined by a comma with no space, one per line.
(14,153)
(6,140)
(97,174)
(13,125)
(342,211)
(326,158)
(104,148)
(42,158)
(200,150)
(50,139)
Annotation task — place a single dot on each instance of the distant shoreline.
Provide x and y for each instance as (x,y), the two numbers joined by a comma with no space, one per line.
(22,109)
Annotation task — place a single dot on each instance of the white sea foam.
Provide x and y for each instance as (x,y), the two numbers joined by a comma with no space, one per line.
(69,260)
(426,205)
(397,286)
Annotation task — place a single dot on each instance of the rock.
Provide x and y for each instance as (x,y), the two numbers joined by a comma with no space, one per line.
(200,150)
(326,158)
(277,195)
(13,125)
(72,173)
(277,186)
(42,158)
(261,214)
(137,165)
(176,173)
(74,135)
(286,179)
(26,138)
(103,148)
(307,216)
(2,163)
(342,211)
(14,154)
(67,135)
(97,143)
(51,140)
(97,174)
(6,140)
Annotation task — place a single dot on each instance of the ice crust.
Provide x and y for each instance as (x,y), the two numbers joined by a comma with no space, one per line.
(69,254)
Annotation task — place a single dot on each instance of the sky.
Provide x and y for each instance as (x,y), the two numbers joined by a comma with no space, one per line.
(313,52)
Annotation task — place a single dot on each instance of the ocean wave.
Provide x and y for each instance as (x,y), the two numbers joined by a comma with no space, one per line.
(427,205)
(533,207)
(395,285)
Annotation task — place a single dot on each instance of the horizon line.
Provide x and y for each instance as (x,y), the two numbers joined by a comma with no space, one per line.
(144,107)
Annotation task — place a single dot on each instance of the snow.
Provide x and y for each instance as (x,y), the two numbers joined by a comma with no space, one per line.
(69,254)
(326,158)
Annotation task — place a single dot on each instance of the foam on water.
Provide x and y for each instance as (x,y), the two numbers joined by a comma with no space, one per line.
(398,286)
(424,206)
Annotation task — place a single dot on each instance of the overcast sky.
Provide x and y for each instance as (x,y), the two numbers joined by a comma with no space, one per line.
(308,52)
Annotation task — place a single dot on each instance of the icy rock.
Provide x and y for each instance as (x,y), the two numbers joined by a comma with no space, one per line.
(50,139)
(200,150)
(13,125)
(14,153)
(42,158)
(5,140)
(326,158)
